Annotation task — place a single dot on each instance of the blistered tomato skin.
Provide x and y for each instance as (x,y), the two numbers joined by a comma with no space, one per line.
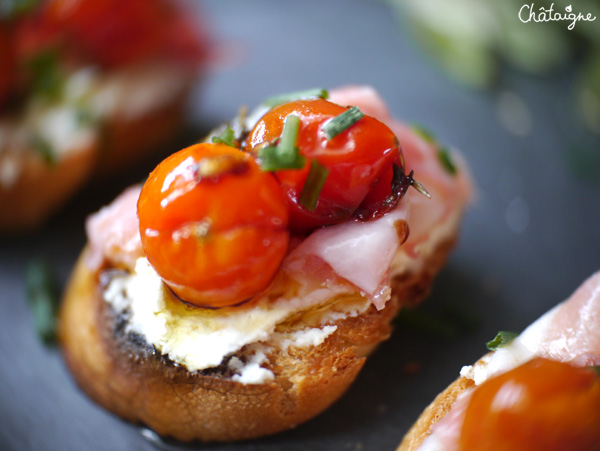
(541,405)
(213,225)
(357,159)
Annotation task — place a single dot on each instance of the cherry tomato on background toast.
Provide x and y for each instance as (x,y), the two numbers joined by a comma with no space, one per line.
(357,159)
(213,224)
(541,405)
(115,32)
(7,73)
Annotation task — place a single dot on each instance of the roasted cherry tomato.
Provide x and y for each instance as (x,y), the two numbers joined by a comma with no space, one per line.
(7,73)
(213,225)
(110,32)
(541,405)
(358,160)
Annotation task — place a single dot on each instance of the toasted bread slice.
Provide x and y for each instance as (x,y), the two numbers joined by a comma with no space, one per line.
(566,333)
(130,378)
(119,141)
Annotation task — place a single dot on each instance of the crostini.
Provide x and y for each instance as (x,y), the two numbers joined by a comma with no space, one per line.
(87,88)
(238,293)
(538,391)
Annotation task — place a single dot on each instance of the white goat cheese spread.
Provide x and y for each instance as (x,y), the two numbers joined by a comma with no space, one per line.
(522,349)
(201,338)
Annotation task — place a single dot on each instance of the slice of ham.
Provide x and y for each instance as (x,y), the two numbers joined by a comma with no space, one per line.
(449,192)
(570,332)
(114,234)
(359,252)
(572,329)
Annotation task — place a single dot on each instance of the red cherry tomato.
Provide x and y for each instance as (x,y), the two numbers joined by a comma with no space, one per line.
(7,73)
(541,405)
(110,32)
(33,34)
(357,159)
(213,225)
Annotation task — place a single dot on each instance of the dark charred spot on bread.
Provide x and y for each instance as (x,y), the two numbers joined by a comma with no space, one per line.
(135,345)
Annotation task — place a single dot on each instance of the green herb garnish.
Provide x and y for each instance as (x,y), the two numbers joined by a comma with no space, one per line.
(502,339)
(43,299)
(314,184)
(596,369)
(10,9)
(85,117)
(446,160)
(342,122)
(46,74)
(424,133)
(444,154)
(298,95)
(285,155)
(226,137)
(44,149)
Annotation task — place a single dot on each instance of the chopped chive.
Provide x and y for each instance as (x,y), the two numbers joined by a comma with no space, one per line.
(10,9)
(298,95)
(85,117)
(502,338)
(446,160)
(44,149)
(444,154)
(285,155)
(226,137)
(342,122)
(43,299)
(314,184)
(289,136)
(47,78)
(596,369)
(424,133)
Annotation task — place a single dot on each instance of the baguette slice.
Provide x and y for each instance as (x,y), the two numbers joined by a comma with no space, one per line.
(87,89)
(35,188)
(123,372)
(568,333)
(138,384)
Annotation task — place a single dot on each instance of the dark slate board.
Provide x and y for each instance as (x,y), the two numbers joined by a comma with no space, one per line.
(529,240)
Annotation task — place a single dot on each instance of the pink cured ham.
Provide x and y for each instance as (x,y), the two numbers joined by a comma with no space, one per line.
(347,246)
(359,252)
(570,332)
(113,232)
(449,192)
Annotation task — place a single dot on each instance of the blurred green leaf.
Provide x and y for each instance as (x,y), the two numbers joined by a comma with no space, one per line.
(9,9)
(43,299)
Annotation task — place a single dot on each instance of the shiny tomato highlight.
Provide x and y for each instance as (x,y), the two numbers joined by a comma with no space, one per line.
(357,159)
(213,225)
(541,405)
